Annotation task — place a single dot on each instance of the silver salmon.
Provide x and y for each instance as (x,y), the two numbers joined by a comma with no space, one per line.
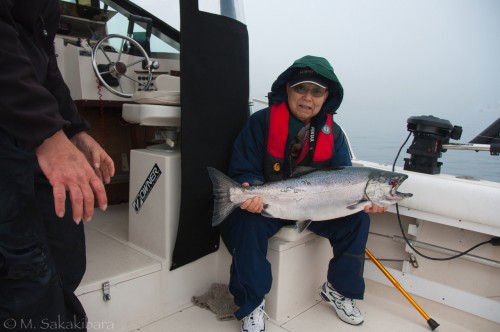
(311,194)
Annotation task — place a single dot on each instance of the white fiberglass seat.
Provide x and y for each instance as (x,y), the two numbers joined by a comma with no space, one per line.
(159,108)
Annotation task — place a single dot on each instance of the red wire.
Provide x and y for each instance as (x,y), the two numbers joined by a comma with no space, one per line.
(101,111)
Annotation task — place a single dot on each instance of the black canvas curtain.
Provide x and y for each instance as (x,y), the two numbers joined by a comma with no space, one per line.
(214,103)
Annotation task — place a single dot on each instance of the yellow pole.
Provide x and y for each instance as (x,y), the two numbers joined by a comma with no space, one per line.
(432,323)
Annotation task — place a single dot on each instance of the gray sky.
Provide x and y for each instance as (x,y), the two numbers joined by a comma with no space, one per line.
(413,53)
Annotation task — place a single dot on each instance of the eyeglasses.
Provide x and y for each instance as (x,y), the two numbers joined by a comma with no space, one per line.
(315,92)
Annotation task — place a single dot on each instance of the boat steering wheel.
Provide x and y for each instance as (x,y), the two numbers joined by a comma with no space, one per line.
(112,72)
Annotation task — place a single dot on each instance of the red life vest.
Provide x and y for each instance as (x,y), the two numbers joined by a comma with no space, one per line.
(317,148)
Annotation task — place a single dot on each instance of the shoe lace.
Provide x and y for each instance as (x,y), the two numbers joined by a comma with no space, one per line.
(257,315)
(350,306)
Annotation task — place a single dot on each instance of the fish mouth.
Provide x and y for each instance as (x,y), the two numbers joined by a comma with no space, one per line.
(395,183)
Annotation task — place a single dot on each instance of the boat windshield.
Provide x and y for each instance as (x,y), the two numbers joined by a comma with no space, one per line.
(168,10)
(164,16)
(229,8)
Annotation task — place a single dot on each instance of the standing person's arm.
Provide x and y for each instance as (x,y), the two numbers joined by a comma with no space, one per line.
(98,159)
(30,113)
(96,156)
(67,169)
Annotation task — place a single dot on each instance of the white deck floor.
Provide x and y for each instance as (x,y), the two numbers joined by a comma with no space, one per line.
(384,309)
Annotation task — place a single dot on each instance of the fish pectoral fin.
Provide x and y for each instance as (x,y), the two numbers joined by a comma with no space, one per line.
(300,225)
(356,205)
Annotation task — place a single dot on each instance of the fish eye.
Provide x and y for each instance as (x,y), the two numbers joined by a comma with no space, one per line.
(394,181)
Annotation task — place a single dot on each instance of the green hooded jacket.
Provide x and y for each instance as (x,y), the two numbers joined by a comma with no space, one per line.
(319,65)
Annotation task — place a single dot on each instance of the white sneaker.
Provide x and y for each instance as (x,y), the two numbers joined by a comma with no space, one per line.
(345,307)
(255,321)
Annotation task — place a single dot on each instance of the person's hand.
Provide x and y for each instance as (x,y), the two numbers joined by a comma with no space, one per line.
(67,169)
(254,204)
(102,163)
(375,208)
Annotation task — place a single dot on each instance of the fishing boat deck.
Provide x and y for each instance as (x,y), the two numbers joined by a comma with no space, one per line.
(111,257)
(384,309)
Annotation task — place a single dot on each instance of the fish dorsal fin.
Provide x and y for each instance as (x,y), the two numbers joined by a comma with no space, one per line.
(266,214)
(300,225)
(303,170)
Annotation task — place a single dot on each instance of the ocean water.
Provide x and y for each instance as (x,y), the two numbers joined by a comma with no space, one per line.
(378,138)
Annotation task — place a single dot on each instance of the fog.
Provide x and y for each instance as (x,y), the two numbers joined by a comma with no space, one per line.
(395,59)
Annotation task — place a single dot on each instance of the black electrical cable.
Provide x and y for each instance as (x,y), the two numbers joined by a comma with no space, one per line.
(408,241)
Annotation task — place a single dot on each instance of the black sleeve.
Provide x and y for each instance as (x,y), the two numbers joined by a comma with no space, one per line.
(56,85)
(28,110)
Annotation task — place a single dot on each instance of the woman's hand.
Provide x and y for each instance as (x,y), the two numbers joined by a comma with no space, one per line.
(254,204)
(375,208)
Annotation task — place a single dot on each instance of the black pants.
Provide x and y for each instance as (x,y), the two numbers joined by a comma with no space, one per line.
(42,257)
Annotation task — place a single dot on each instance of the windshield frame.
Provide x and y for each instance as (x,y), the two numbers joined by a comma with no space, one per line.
(160,29)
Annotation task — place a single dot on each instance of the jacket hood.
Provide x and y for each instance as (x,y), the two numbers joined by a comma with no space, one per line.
(319,65)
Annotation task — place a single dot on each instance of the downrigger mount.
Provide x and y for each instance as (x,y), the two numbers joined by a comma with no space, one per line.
(429,135)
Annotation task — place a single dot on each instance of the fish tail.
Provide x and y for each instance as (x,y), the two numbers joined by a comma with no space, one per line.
(222,200)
